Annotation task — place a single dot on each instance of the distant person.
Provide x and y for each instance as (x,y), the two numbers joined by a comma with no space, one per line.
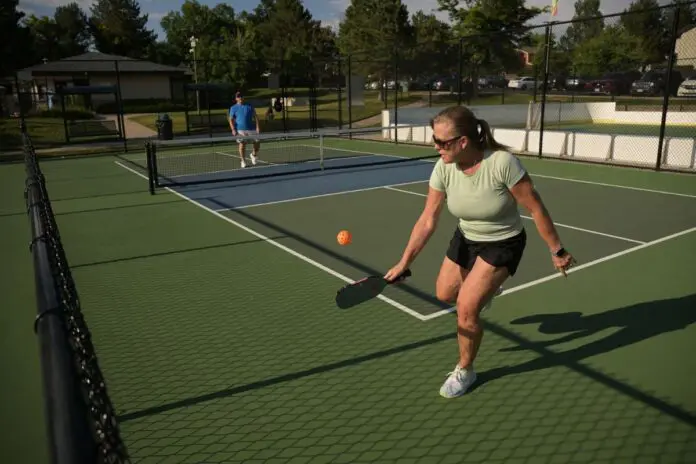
(244,122)
(482,183)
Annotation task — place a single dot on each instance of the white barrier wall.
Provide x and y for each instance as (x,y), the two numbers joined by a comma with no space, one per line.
(677,152)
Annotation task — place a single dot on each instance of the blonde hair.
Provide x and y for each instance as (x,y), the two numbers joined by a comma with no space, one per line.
(468,125)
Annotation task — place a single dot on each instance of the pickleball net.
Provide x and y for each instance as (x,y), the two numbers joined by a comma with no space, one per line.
(217,159)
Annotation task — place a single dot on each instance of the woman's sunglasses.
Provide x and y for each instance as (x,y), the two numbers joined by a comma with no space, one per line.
(445,143)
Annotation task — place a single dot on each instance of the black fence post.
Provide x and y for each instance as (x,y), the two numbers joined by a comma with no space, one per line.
(396,97)
(460,71)
(668,87)
(547,58)
(119,108)
(350,94)
(340,96)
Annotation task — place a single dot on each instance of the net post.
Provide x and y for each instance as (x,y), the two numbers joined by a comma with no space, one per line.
(150,175)
(321,151)
(153,161)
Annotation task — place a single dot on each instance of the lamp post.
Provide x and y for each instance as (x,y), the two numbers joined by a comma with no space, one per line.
(193,41)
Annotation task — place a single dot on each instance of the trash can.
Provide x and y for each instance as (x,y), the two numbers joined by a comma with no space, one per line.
(165,130)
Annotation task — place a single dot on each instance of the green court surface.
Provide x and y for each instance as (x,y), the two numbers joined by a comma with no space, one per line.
(220,340)
(622,129)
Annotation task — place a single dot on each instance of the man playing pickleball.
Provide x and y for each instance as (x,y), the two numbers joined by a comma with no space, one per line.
(245,123)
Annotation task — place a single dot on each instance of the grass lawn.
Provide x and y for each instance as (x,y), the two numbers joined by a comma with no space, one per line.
(297,118)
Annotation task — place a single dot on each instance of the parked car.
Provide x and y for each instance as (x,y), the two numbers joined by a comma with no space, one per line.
(492,82)
(613,83)
(524,83)
(577,82)
(687,88)
(654,82)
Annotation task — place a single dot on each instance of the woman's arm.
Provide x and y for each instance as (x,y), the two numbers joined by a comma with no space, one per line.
(526,195)
(421,232)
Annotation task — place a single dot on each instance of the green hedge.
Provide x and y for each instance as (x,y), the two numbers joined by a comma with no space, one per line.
(70,113)
(152,105)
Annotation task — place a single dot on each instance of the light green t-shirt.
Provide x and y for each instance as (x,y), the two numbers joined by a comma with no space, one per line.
(481,201)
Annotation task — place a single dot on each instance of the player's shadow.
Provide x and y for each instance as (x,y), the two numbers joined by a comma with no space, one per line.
(624,326)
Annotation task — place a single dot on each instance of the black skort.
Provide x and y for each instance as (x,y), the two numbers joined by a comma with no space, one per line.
(502,253)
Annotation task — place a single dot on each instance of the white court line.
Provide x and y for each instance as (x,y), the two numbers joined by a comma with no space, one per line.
(589,231)
(574,269)
(640,189)
(567,179)
(290,200)
(304,258)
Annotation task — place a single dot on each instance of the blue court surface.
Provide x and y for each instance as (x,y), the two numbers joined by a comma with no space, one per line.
(299,183)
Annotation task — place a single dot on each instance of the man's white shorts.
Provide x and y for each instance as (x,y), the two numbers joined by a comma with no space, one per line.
(246,134)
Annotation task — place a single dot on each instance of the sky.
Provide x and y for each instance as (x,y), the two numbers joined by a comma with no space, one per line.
(330,12)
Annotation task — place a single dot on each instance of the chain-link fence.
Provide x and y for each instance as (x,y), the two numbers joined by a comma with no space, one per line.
(618,88)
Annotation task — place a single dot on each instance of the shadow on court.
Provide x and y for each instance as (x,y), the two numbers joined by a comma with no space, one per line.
(423,296)
(172,252)
(636,323)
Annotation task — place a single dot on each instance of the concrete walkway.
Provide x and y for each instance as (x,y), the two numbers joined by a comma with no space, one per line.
(133,130)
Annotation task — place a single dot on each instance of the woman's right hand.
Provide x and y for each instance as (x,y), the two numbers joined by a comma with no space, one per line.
(395,271)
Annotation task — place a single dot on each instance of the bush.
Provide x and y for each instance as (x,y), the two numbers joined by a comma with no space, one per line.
(70,113)
(152,105)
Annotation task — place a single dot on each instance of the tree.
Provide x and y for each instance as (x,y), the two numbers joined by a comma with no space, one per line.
(73,28)
(491,31)
(373,33)
(614,49)
(288,37)
(687,19)
(643,20)
(63,35)
(118,28)
(434,50)
(207,24)
(12,56)
(583,29)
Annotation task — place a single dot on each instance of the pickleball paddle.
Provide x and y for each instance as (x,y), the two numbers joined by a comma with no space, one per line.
(365,289)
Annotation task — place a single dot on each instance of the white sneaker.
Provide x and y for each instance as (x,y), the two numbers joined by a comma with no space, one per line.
(458,382)
(243,164)
(253,159)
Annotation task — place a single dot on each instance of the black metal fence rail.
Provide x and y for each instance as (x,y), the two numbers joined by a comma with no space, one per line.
(80,419)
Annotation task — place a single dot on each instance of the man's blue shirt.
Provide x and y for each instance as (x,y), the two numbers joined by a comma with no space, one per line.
(243,116)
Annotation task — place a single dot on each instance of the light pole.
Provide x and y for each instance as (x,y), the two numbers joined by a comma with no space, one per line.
(193,41)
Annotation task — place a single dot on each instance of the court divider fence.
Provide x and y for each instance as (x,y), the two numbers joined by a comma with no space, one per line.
(80,419)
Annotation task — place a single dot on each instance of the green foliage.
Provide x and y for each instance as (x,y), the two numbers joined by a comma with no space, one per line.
(614,49)
(70,113)
(12,57)
(493,31)
(434,50)
(119,28)
(64,34)
(239,49)
(648,28)
(584,29)
(373,31)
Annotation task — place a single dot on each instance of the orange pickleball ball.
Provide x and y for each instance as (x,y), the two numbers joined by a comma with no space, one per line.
(344,237)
